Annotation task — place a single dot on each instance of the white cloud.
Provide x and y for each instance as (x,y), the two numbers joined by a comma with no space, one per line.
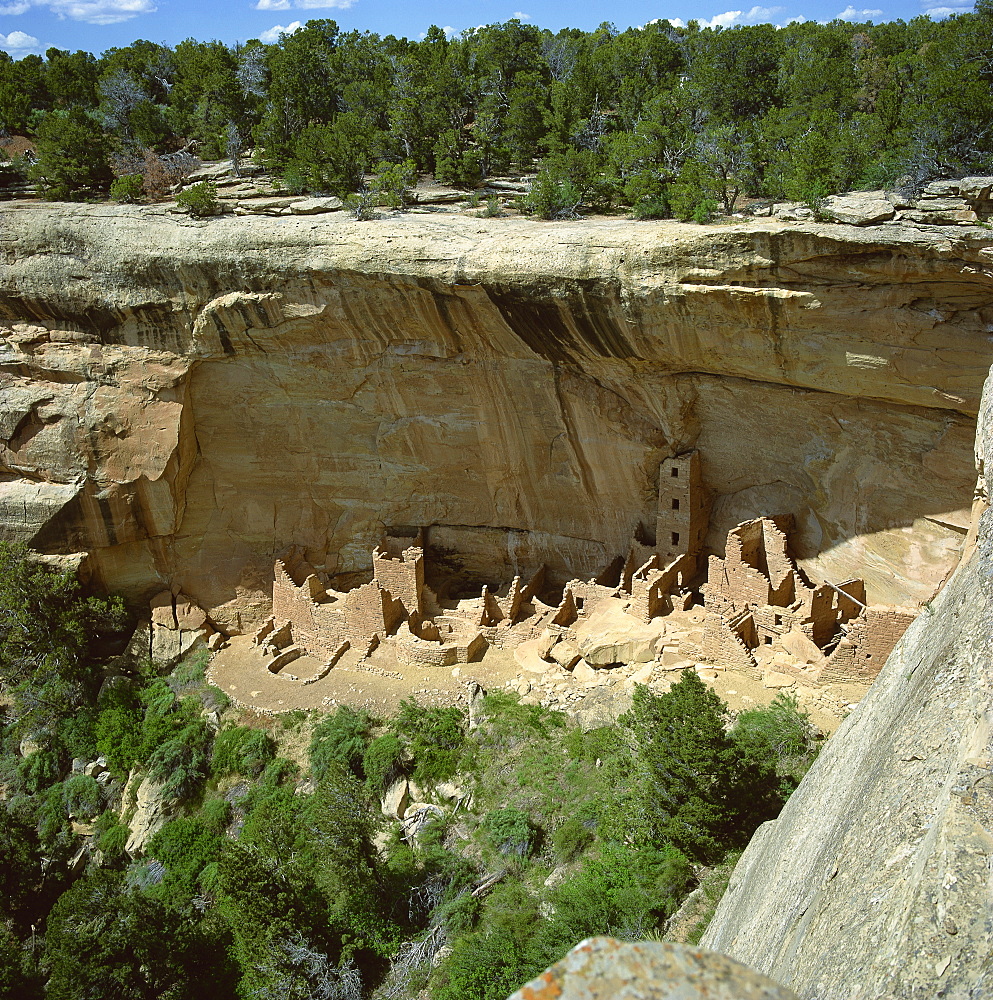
(851,14)
(273,34)
(91,11)
(100,11)
(302,4)
(18,43)
(937,13)
(520,16)
(757,15)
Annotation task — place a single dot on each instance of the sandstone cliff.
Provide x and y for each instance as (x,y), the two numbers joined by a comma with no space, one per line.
(875,880)
(185,400)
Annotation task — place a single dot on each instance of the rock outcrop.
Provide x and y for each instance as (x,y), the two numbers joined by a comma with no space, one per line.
(649,970)
(186,400)
(875,880)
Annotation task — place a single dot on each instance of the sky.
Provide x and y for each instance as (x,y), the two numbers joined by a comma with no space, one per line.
(95,25)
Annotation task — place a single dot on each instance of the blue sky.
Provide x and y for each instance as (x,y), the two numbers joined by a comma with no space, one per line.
(34,25)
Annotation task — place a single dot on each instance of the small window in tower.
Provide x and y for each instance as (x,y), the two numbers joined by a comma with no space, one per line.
(779,619)
(675,538)
(675,505)
(675,472)
(768,640)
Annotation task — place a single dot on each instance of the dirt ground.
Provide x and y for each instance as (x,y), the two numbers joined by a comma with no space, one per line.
(379,682)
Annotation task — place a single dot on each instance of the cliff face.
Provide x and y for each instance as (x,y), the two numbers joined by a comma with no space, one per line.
(875,879)
(185,400)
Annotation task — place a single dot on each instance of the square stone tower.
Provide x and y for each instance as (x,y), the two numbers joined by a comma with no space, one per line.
(403,577)
(683,515)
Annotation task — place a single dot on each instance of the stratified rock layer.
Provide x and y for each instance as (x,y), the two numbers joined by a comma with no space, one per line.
(185,400)
(875,880)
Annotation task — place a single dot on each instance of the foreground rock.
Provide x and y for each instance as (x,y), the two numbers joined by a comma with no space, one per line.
(874,881)
(604,969)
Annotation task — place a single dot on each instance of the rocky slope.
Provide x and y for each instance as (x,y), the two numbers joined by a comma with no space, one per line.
(184,400)
(875,880)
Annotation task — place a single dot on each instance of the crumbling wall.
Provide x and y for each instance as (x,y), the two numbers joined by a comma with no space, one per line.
(723,644)
(870,640)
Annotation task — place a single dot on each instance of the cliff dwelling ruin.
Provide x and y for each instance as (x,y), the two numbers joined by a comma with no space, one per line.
(750,610)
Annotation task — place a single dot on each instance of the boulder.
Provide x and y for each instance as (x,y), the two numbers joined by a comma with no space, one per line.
(801,646)
(774,679)
(859,208)
(170,645)
(792,211)
(161,606)
(188,615)
(565,654)
(544,643)
(614,637)
(601,968)
(396,799)
(152,811)
(583,672)
(315,206)
(642,676)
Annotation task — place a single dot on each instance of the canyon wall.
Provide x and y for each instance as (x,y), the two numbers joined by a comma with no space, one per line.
(183,400)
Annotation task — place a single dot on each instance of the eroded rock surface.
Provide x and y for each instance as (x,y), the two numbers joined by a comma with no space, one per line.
(875,880)
(186,400)
(648,970)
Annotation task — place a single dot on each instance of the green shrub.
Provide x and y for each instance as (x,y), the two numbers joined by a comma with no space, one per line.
(340,738)
(185,847)
(77,733)
(393,185)
(81,796)
(434,739)
(112,836)
(241,750)
(295,178)
(552,196)
(705,210)
(693,787)
(651,208)
(510,832)
(625,892)
(362,204)
(199,200)
(291,720)
(180,764)
(494,961)
(382,762)
(39,770)
(780,732)
(189,673)
(128,188)
(215,814)
(492,209)
(571,839)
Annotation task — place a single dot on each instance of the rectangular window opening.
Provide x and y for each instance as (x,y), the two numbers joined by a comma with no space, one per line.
(768,640)
(675,472)
(675,505)
(675,538)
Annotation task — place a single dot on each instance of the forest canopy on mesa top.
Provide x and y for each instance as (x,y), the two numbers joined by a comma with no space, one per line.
(665,120)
